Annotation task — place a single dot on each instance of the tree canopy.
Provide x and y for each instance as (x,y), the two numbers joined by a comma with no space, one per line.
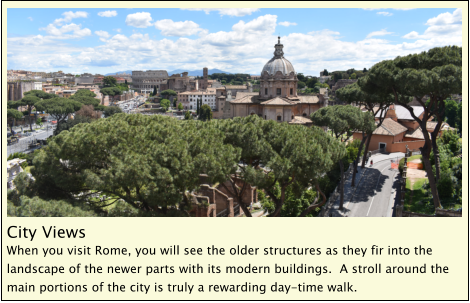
(165,104)
(205,113)
(59,108)
(12,115)
(109,81)
(150,162)
(111,91)
(436,73)
(108,111)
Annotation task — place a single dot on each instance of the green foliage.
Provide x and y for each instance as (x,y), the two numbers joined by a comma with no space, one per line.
(205,113)
(165,104)
(12,115)
(300,84)
(451,113)
(67,125)
(59,108)
(109,81)
(180,106)
(353,76)
(148,161)
(85,97)
(108,111)
(40,94)
(168,92)
(36,207)
(111,91)
(188,116)
(230,78)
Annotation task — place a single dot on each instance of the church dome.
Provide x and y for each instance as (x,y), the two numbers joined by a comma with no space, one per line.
(278,62)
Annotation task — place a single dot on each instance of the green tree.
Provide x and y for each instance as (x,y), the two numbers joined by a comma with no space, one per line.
(458,119)
(364,70)
(109,81)
(29,101)
(301,77)
(188,116)
(85,97)
(150,162)
(353,76)
(67,125)
(59,108)
(277,155)
(155,90)
(111,91)
(325,72)
(451,113)
(436,73)
(108,111)
(300,84)
(373,99)
(180,106)
(165,104)
(168,93)
(12,116)
(40,94)
(205,113)
(342,121)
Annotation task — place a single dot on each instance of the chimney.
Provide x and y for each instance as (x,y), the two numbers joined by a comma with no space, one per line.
(391,113)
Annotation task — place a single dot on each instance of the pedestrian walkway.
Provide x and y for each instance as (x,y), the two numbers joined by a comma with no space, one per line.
(350,191)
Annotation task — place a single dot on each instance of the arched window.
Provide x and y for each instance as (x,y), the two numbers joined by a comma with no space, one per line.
(279,118)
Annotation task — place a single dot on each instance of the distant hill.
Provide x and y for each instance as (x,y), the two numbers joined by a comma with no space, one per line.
(179,71)
(124,71)
(196,72)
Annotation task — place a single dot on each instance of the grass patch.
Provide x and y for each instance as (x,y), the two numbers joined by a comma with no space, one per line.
(417,199)
(28,169)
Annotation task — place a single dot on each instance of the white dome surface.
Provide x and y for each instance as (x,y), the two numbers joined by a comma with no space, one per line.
(278,64)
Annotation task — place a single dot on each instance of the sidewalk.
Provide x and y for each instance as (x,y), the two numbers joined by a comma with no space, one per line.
(349,191)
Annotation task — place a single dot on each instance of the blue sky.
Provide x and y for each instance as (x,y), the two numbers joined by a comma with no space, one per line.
(233,40)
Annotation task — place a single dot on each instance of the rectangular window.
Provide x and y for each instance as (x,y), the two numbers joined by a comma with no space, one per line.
(291,91)
(278,118)
(278,91)
(265,91)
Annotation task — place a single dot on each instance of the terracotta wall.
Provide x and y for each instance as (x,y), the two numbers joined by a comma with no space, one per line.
(401,146)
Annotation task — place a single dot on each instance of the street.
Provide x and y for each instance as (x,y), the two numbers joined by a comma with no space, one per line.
(373,195)
(22,145)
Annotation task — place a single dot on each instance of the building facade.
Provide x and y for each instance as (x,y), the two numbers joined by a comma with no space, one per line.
(146,81)
(277,99)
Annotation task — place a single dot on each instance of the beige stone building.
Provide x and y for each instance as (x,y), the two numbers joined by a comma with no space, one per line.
(277,99)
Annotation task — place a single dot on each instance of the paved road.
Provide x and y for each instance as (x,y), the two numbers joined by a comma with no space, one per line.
(373,196)
(22,145)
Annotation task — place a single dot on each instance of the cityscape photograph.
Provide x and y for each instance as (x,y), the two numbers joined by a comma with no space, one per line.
(234,112)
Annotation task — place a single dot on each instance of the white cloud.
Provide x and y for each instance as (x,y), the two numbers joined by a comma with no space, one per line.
(103,35)
(266,23)
(30,18)
(233,12)
(384,13)
(287,23)
(180,29)
(444,25)
(107,14)
(117,29)
(382,32)
(60,32)
(246,48)
(68,16)
(140,20)
(323,32)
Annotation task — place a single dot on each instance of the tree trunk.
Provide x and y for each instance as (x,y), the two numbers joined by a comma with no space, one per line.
(366,150)
(357,160)
(245,210)
(425,152)
(436,159)
(341,182)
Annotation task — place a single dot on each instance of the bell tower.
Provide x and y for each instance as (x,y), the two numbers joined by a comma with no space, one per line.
(205,74)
